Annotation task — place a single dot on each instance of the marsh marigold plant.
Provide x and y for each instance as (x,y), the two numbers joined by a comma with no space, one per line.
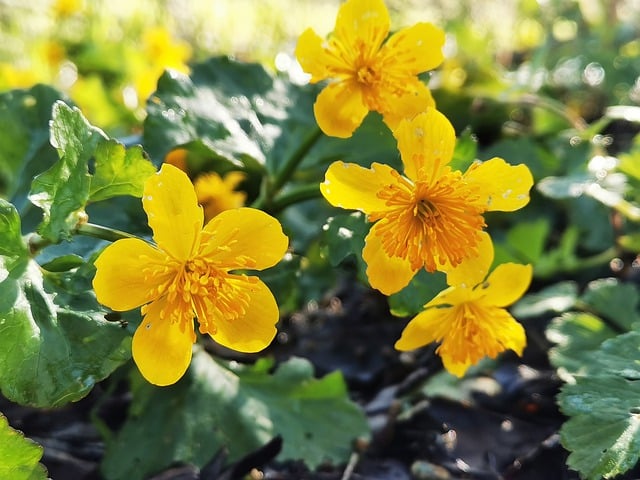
(469,319)
(367,73)
(432,216)
(191,273)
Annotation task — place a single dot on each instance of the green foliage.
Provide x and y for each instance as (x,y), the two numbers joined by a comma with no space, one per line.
(19,456)
(315,418)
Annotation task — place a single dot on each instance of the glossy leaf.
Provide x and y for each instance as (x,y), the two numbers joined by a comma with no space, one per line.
(63,190)
(603,432)
(19,456)
(556,298)
(238,408)
(119,171)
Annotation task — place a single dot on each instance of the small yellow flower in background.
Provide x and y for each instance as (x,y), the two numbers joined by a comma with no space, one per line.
(66,8)
(217,194)
(431,217)
(190,275)
(365,72)
(469,319)
(178,158)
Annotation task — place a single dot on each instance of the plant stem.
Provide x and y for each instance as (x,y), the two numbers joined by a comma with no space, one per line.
(271,188)
(103,233)
(295,195)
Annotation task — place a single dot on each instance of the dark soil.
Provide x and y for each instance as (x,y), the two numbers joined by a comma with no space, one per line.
(507,429)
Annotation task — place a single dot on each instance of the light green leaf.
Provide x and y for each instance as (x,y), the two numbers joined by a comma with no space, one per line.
(119,171)
(239,408)
(63,190)
(556,298)
(614,301)
(11,242)
(53,353)
(19,456)
(603,432)
(577,336)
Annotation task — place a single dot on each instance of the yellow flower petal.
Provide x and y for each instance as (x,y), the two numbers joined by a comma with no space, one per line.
(162,349)
(256,329)
(472,270)
(121,281)
(172,208)
(414,49)
(312,56)
(426,327)
(363,22)
(417,99)
(498,332)
(352,187)
(340,109)
(426,144)
(507,283)
(242,233)
(506,187)
(386,274)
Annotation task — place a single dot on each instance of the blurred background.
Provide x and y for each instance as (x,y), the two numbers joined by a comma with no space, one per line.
(107,55)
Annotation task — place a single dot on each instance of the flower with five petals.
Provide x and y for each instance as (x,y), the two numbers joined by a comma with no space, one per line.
(469,318)
(191,273)
(432,216)
(365,72)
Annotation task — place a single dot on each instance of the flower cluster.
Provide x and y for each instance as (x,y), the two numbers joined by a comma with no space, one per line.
(428,216)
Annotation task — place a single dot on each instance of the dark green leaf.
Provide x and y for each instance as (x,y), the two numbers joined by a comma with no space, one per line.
(603,432)
(19,456)
(239,408)
(52,354)
(119,171)
(422,288)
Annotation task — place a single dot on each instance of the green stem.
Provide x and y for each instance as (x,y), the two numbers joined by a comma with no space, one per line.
(103,233)
(271,188)
(295,195)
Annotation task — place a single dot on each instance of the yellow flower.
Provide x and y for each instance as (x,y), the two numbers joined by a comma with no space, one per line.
(430,217)
(367,74)
(217,194)
(192,273)
(469,319)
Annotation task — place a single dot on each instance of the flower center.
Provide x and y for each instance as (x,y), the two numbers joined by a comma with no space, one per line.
(430,223)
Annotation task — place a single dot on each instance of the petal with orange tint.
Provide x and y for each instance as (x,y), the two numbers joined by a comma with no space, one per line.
(472,270)
(244,232)
(507,283)
(172,208)
(417,99)
(386,274)
(362,24)
(162,349)
(352,187)
(313,57)
(127,271)
(506,187)
(426,327)
(414,49)
(340,109)
(256,329)
(426,144)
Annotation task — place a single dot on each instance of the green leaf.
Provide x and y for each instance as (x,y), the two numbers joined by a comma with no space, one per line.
(344,236)
(577,336)
(524,242)
(556,298)
(239,408)
(614,301)
(19,456)
(603,432)
(119,171)
(24,139)
(63,190)
(422,288)
(11,243)
(53,353)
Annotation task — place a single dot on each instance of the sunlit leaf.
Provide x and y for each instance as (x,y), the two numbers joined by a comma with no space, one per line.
(63,190)
(615,301)
(19,456)
(119,171)
(603,431)
(556,298)
(239,408)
